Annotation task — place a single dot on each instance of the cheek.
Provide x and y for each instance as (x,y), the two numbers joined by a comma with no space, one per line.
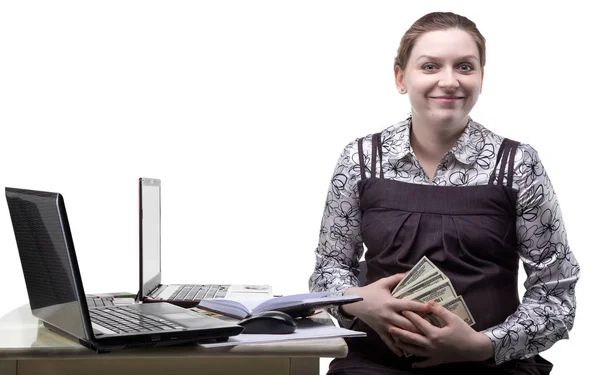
(472,85)
(418,89)
(474,95)
(418,99)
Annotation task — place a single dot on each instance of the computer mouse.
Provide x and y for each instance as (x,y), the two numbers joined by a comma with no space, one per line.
(269,322)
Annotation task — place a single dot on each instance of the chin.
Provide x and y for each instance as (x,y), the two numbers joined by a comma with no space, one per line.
(446,116)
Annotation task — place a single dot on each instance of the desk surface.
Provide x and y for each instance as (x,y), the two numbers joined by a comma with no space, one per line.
(22,336)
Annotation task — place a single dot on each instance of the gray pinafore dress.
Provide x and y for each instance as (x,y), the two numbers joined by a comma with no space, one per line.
(468,232)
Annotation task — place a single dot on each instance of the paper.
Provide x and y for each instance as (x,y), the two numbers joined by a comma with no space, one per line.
(425,282)
(306,329)
(295,305)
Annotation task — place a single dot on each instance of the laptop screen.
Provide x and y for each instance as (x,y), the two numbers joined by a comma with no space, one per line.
(48,258)
(149,233)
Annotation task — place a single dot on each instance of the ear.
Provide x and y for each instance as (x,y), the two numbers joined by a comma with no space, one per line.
(481,87)
(399,79)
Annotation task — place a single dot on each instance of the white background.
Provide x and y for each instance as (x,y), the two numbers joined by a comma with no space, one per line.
(242,108)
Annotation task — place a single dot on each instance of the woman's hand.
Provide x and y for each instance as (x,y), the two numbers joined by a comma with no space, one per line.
(456,341)
(381,311)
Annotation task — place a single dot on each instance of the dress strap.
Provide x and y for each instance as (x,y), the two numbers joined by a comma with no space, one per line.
(506,158)
(380,148)
(361,159)
(376,142)
(511,163)
(376,149)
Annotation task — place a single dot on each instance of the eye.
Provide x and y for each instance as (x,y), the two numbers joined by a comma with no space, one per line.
(429,67)
(465,67)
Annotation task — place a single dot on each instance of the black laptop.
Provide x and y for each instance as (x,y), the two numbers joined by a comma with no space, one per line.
(57,297)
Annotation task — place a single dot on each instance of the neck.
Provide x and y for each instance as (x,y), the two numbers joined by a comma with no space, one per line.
(431,141)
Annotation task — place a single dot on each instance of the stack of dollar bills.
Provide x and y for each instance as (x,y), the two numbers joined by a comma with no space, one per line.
(425,282)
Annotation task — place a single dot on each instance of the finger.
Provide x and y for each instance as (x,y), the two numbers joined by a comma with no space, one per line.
(391,281)
(402,304)
(401,321)
(441,312)
(422,324)
(412,349)
(387,339)
(410,337)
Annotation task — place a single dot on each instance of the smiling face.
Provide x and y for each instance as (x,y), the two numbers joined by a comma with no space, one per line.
(443,77)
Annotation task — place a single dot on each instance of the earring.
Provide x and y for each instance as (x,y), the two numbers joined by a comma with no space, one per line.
(402,90)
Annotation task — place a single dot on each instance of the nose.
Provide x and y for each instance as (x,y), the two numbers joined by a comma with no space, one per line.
(448,79)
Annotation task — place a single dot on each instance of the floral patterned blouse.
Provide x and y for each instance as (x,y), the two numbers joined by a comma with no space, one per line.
(547,310)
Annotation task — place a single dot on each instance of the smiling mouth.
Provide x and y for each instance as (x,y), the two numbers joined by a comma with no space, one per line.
(447,100)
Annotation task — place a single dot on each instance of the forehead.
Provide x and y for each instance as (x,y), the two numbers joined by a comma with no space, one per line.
(444,44)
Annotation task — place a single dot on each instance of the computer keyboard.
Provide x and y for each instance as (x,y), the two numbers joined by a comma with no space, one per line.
(198,292)
(100,301)
(123,319)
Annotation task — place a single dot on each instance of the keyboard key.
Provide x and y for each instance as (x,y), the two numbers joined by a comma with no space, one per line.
(125,319)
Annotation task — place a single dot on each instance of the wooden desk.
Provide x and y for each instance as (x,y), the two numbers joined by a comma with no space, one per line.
(27,347)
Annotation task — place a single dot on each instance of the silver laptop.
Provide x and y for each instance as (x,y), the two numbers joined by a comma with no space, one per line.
(151,287)
(57,297)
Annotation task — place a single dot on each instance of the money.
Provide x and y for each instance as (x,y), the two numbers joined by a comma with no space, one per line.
(423,266)
(459,307)
(425,282)
(439,292)
(428,280)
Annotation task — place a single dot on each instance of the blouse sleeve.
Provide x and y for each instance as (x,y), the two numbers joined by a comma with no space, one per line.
(340,244)
(547,311)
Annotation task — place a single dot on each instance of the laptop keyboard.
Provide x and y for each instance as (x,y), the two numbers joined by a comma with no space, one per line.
(124,319)
(198,292)
(100,301)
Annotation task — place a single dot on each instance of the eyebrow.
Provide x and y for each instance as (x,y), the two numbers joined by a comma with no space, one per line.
(427,57)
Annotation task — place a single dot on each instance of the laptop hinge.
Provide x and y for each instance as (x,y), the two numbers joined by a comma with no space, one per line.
(156,291)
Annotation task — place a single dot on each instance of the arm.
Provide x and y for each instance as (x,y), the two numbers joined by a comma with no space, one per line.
(547,311)
(340,243)
(340,247)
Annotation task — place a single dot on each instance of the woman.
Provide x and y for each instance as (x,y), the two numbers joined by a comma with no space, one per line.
(443,186)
